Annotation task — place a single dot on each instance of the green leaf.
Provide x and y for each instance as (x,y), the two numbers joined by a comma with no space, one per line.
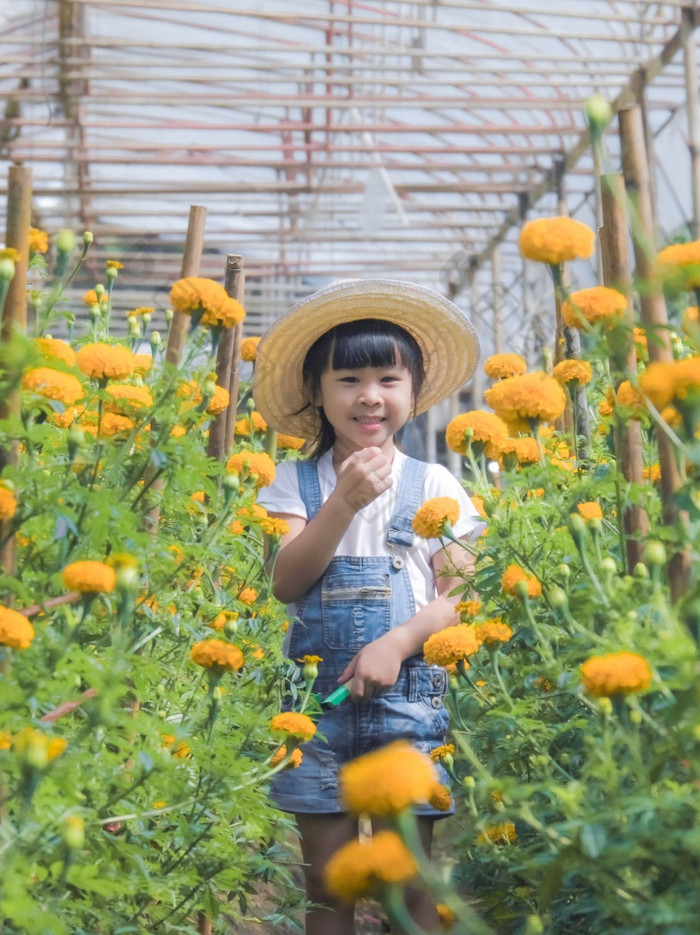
(593,840)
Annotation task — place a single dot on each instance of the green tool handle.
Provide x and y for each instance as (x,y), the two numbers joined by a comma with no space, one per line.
(337,696)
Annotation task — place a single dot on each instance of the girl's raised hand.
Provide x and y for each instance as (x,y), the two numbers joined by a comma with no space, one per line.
(362,477)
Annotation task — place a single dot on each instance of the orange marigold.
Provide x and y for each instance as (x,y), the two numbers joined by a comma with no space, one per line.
(652,472)
(520,450)
(440,798)
(294,760)
(502,366)
(503,833)
(252,513)
(359,868)
(274,526)
(444,750)
(446,916)
(221,619)
(142,362)
(529,396)
(31,739)
(105,361)
(126,400)
(38,240)
(571,370)
(217,655)
(15,630)
(248,596)
(468,608)
(640,342)
(256,464)
(679,265)
(690,320)
(111,424)
(432,517)
(452,644)
(587,306)
(492,631)
(54,384)
(253,420)
(628,397)
(55,349)
(249,348)
(556,240)
(387,780)
(219,401)
(197,294)
(293,442)
(590,510)
(665,383)
(89,577)
(513,575)
(615,674)
(485,429)
(293,724)
(8,503)
(478,503)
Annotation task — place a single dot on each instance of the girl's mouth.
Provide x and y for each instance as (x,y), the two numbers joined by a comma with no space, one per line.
(369,420)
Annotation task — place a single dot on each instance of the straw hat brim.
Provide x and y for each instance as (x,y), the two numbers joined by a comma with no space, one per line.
(444,333)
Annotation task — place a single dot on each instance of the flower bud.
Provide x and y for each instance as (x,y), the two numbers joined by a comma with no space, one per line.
(230,481)
(640,570)
(36,754)
(169,315)
(231,627)
(7,269)
(605,705)
(608,565)
(577,528)
(533,926)
(564,571)
(76,439)
(521,590)
(99,290)
(94,312)
(134,328)
(73,832)
(310,671)
(558,598)
(146,318)
(654,553)
(127,578)
(208,388)
(111,272)
(469,782)
(156,340)
(88,238)
(65,241)
(218,694)
(598,112)
(594,524)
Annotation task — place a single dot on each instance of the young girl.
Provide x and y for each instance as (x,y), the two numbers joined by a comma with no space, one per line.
(345,369)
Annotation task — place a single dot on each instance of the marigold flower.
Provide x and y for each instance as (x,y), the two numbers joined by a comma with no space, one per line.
(387,780)
(679,265)
(251,513)
(105,361)
(665,383)
(503,833)
(468,608)
(431,518)
(446,916)
(652,472)
(629,397)
(362,867)
(91,297)
(221,619)
(217,655)
(8,503)
(440,798)
(15,630)
(293,724)
(294,760)
(55,349)
(522,450)
(5,740)
(219,401)
(114,264)
(178,748)
(257,464)
(254,419)
(30,737)
(487,431)
(513,574)
(274,526)
(588,306)
(571,370)
(590,510)
(640,342)
(615,674)
(439,753)
(89,577)
(111,424)
(529,396)
(248,596)
(293,442)
(195,294)
(141,310)
(452,644)
(690,320)
(38,240)
(54,384)
(249,348)
(502,366)
(142,362)
(492,631)
(556,240)
(127,400)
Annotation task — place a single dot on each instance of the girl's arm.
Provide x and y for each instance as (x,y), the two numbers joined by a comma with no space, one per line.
(307,549)
(377,665)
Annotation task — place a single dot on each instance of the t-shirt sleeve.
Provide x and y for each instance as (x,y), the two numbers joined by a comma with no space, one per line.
(439,482)
(282,496)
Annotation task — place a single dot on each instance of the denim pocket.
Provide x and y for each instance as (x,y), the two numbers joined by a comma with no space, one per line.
(355,609)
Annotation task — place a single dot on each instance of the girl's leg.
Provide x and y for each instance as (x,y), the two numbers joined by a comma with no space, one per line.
(419,902)
(321,836)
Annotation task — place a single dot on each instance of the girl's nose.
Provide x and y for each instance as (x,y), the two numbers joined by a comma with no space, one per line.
(369,394)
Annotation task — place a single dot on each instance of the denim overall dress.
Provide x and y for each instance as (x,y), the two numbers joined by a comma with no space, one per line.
(357,600)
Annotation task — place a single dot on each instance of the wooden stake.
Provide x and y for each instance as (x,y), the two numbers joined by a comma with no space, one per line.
(234,284)
(617,274)
(497,291)
(191,257)
(692,106)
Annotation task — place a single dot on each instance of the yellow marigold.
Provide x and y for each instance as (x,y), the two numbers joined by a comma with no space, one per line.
(257,464)
(293,724)
(652,473)
(293,442)
(30,737)
(387,780)
(15,630)
(221,619)
(503,833)
(690,320)
(10,253)
(588,306)
(492,631)
(178,748)
(487,431)
(446,916)
(54,384)
(254,419)
(219,401)
(142,362)
(514,574)
(91,297)
(89,577)
(521,450)
(248,596)
(105,361)
(502,366)
(114,264)
(141,310)
(440,798)
(640,342)
(55,349)
(111,424)
(615,674)
(5,740)
(8,503)
(478,503)
(439,753)
(126,400)
(38,240)
(294,760)
(665,383)
(249,348)
(529,396)
(431,518)
(590,510)
(556,240)
(274,526)
(679,264)
(468,608)
(178,431)
(452,644)
(571,370)
(195,294)
(359,868)
(217,655)
(245,515)
(628,397)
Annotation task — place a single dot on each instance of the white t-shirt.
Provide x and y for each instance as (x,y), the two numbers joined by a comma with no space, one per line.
(366,534)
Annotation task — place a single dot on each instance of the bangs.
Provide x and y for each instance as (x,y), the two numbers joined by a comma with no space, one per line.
(373,347)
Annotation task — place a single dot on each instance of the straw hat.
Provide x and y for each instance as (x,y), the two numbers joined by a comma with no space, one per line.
(444,334)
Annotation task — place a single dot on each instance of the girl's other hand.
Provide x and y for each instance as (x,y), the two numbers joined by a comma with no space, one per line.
(362,477)
(374,668)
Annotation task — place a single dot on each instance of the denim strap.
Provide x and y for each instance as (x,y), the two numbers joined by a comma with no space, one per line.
(309,487)
(408,498)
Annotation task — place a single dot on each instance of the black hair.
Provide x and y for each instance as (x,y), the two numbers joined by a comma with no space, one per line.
(365,342)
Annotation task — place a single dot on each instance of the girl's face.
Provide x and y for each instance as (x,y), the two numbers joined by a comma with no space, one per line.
(366,405)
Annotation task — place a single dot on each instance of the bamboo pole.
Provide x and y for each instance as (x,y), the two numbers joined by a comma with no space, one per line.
(692,106)
(635,169)
(227,364)
(14,319)
(617,274)
(191,258)
(234,284)
(497,292)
